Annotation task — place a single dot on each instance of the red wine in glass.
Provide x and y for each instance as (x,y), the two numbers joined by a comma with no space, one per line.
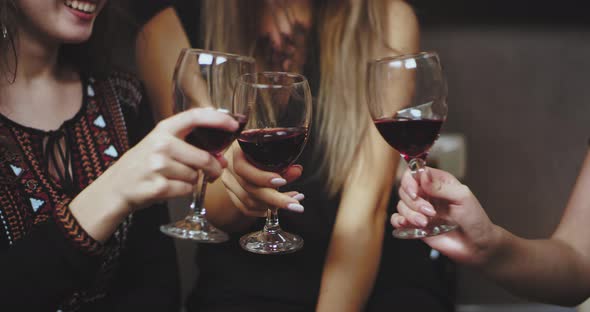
(273,149)
(412,138)
(214,140)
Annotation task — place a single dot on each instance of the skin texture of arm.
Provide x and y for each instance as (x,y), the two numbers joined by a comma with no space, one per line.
(554,270)
(355,248)
(158,46)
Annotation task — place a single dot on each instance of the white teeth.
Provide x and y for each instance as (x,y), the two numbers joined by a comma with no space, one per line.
(83,6)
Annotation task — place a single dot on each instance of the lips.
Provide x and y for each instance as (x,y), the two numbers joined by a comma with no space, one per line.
(81,6)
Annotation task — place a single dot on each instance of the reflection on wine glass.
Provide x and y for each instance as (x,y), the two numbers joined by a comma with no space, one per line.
(207,79)
(407,101)
(272,140)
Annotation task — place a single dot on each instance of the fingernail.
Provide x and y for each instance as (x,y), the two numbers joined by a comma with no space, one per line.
(298,166)
(299,197)
(278,181)
(295,207)
(421,220)
(428,211)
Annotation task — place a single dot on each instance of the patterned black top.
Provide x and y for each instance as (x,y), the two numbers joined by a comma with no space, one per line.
(47,261)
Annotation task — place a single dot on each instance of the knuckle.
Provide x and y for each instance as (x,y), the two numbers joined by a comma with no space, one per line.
(194,176)
(464,192)
(156,163)
(395,219)
(250,203)
(205,159)
(162,145)
(160,187)
(187,189)
(163,124)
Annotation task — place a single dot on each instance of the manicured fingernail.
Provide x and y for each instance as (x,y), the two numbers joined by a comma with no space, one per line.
(428,211)
(278,181)
(299,197)
(295,207)
(298,166)
(421,220)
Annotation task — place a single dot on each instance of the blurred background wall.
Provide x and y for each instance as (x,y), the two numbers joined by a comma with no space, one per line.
(519,90)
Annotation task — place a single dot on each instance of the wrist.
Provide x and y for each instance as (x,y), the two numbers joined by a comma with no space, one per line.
(495,247)
(99,211)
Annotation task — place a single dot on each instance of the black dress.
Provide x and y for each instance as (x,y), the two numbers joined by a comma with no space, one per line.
(232,279)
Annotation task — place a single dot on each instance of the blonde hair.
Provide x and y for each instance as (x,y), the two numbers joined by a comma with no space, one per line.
(348,34)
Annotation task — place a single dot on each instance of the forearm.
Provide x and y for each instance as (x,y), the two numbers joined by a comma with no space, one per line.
(351,265)
(98,214)
(547,270)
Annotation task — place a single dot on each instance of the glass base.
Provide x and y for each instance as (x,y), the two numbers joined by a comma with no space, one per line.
(195,228)
(435,227)
(271,242)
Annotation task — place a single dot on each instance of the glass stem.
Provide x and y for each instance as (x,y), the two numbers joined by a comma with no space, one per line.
(197,207)
(272,220)
(417,167)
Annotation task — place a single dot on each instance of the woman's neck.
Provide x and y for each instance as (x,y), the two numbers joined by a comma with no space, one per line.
(43,93)
(37,57)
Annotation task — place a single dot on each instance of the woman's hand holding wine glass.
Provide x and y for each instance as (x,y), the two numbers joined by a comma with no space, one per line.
(252,189)
(159,167)
(272,140)
(478,239)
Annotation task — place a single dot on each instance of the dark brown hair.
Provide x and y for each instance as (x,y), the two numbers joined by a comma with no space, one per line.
(109,48)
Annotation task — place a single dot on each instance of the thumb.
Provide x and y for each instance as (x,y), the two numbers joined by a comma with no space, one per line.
(182,123)
(443,185)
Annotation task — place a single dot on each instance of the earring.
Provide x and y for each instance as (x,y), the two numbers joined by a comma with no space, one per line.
(4,32)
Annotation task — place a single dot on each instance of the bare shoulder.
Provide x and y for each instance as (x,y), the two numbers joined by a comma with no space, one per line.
(163,17)
(403,31)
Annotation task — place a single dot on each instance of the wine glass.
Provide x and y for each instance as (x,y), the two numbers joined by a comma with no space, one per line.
(272,140)
(207,79)
(407,101)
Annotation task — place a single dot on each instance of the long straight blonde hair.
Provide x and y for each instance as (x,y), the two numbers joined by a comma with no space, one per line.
(350,34)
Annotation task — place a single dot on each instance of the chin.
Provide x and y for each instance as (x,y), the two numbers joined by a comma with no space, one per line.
(75,39)
(72,34)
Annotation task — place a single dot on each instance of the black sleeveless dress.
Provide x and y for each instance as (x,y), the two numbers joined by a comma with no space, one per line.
(231,279)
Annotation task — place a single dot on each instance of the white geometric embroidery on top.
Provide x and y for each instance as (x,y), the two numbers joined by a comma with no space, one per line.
(99,122)
(111,151)
(17,170)
(90,90)
(36,203)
